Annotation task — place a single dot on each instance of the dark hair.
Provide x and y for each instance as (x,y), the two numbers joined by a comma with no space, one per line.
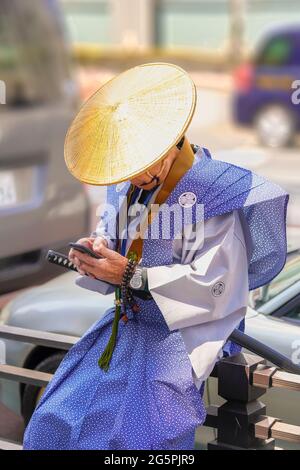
(180,143)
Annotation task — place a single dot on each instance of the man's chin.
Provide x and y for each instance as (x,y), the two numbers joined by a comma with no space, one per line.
(147,187)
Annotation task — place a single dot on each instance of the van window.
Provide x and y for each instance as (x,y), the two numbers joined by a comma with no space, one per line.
(277,52)
(34,62)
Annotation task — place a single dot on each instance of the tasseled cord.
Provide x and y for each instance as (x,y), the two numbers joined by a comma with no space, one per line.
(106,356)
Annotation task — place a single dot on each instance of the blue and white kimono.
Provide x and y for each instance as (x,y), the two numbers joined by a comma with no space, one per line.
(151,396)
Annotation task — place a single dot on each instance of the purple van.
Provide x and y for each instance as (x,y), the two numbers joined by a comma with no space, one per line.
(267,90)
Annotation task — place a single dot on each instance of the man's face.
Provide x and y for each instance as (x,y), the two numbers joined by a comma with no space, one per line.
(146,181)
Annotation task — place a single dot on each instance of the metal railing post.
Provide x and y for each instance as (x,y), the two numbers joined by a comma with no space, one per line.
(242,408)
(241,422)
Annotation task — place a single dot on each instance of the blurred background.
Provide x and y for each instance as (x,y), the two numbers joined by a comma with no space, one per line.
(244,56)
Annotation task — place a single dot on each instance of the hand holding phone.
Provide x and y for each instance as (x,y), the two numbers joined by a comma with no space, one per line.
(62,260)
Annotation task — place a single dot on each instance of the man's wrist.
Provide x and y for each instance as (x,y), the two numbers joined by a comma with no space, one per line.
(139,280)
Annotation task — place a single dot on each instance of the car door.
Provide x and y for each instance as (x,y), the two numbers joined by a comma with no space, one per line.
(277,66)
(41,204)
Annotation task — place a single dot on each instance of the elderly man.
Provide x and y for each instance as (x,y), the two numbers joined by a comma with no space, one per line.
(182,240)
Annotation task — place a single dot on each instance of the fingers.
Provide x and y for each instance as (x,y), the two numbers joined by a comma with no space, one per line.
(83,268)
(78,259)
(88,270)
(102,250)
(98,242)
(87,265)
(71,255)
(81,258)
(78,265)
(88,242)
(90,266)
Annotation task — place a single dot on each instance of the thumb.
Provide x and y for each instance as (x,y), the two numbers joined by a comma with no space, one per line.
(98,242)
(102,250)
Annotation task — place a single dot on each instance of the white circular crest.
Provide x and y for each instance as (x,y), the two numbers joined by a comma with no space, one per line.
(218,289)
(187,199)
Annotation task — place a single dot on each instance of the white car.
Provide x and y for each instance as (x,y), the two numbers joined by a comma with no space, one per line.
(41,204)
(59,306)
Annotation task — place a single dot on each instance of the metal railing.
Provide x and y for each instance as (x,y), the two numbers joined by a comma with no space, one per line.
(28,376)
(241,422)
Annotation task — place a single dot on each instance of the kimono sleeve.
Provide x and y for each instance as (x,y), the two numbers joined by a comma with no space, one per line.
(105,227)
(207,297)
(212,285)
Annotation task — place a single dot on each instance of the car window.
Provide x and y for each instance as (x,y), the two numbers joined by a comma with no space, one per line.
(277,52)
(34,63)
(294,313)
(287,277)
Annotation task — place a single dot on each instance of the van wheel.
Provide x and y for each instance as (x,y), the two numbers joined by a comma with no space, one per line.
(32,394)
(275,126)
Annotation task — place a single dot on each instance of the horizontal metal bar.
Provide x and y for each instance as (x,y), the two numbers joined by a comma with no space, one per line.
(262,428)
(285,380)
(268,427)
(286,432)
(8,445)
(262,376)
(27,376)
(266,377)
(264,351)
(41,338)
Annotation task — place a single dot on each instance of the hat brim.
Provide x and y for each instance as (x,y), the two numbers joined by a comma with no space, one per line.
(130,124)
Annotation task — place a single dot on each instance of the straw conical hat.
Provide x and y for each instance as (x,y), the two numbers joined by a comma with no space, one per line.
(130,123)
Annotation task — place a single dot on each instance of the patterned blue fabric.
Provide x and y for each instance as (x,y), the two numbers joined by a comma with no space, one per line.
(221,188)
(147,399)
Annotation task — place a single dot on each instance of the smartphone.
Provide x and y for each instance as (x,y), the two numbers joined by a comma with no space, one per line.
(84,249)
